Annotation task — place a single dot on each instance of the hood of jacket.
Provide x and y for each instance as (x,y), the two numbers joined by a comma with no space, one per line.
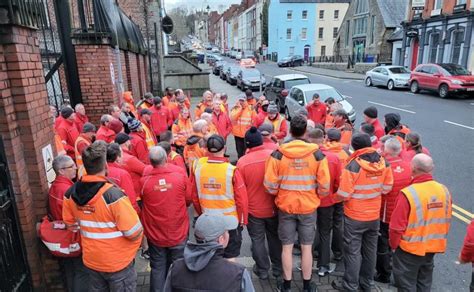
(193,139)
(84,192)
(198,255)
(297,149)
(333,146)
(368,159)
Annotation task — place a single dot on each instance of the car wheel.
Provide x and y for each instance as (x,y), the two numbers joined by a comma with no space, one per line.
(368,82)
(414,88)
(443,91)
(390,85)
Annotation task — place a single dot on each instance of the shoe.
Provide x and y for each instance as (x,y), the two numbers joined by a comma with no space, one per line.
(279,287)
(382,279)
(337,284)
(145,254)
(312,288)
(261,276)
(323,271)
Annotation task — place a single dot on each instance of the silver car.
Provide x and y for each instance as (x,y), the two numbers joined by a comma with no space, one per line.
(389,76)
(302,95)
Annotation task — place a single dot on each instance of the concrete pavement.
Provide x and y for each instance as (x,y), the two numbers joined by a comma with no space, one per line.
(325,72)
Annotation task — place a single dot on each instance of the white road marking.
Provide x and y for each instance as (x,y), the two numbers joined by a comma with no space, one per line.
(392,107)
(459,125)
(410,93)
(472,103)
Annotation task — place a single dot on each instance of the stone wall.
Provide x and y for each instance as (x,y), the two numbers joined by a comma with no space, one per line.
(358,67)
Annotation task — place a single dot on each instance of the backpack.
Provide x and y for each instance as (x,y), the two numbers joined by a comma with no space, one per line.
(60,241)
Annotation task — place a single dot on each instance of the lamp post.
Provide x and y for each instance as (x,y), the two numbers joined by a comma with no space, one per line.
(206,32)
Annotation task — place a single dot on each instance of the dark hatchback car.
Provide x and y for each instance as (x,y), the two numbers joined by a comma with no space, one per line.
(249,78)
(216,69)
(277,89)
(291,61)
(231,74)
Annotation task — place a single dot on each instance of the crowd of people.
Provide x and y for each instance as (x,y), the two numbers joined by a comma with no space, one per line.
(363,196)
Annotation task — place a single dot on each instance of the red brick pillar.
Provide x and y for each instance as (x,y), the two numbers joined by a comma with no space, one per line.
(26,128)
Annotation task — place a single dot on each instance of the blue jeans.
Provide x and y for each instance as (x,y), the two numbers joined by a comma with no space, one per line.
(161,259)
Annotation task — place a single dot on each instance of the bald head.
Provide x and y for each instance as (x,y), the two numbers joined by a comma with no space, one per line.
(422,164)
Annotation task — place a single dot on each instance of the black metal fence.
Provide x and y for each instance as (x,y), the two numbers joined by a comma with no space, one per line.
(352,59)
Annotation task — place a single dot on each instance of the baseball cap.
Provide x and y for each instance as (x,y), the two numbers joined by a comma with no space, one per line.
(121,138)
(215,143)
(210,227)
(266,129)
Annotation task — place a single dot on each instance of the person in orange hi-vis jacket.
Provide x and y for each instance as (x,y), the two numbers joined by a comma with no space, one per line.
(298,175)
(243,116)
(364,179)
(85,139)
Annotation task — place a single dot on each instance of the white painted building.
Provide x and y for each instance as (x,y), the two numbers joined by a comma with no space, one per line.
(329,17)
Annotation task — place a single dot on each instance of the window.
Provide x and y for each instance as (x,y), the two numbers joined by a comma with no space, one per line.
(289,14)
(434,47)
(292,51)
(304,31)
(348,25)
(298,96)
(458,37)
(321,14)
(304,14)
(372,29)
(288,33)
(438,4)
(360,26)
(336,14)
(461,2)
(321,33)
(323,50)
(362,6)
(334,32)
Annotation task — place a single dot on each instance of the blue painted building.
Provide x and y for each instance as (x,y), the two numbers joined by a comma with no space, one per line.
(291,28)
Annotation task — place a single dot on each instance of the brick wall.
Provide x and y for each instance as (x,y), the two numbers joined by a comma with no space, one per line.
(26,128)
(132,71)
(136,11)
(448,8)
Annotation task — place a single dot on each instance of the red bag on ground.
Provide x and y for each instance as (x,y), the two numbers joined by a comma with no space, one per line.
(60,241)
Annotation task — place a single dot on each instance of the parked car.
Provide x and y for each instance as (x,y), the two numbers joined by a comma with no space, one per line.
(212,58)
(279,86)
(232,54)
(216,69)
(223,72)
(291,61)
(238,56)
(445,79)
(231,75)
(249,78)
(248,63)
(215,50)
(390,76)
(302,95)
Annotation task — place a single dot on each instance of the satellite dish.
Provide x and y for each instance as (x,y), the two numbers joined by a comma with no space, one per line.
(167,24)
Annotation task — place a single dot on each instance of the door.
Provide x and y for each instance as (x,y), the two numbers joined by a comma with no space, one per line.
(432,81)
(375,76)
(306,53)
(414,53)
(14,271)
(383,76)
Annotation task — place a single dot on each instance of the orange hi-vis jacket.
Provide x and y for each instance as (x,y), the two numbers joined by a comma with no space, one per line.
(429,219)
(200,108)
(364,179)
(192,150)
(182,129)
(80,165)
(215,188)
(242,119)
(298,175)
(279,125)
(111,231)
(338,148)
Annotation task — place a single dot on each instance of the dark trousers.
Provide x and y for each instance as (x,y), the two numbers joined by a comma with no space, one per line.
(360,253)
(412,272)
(76,274)
(384,253)
(260,229)
(161,259)
(337,244)
(121,281)
(324,225)
(240,146)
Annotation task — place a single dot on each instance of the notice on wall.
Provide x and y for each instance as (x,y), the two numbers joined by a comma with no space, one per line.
(112,73)
(48,163)
(418,4)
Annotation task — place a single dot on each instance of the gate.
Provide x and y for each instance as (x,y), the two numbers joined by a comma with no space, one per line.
(14,270)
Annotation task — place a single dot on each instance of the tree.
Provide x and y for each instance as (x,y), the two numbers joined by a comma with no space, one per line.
(264,22)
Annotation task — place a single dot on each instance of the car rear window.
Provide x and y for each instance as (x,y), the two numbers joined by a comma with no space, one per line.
(454,70)
(293,82)
(399,70)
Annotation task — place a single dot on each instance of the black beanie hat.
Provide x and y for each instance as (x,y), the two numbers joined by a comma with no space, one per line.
(253,138)
(371,112)
(66,112)
(392,120)
(360,140)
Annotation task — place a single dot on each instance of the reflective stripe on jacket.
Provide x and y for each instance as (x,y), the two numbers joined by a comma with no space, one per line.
(429,219)
(182,129)
(242,119)
(80,165)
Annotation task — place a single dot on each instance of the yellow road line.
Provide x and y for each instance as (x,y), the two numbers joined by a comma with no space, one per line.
(461,210)
(460,217)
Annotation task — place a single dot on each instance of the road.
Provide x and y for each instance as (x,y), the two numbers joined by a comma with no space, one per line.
(447,129)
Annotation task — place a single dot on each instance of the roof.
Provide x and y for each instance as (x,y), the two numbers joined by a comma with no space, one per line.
(286,77)
(397,35)
(313,86)
(393,11)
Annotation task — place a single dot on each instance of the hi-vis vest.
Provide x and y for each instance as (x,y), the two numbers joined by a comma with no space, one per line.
(80,165)
(429,219)
(215,188)
(150,142)
(276,123)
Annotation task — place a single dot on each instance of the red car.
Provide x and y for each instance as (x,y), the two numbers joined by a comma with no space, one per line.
(446,79)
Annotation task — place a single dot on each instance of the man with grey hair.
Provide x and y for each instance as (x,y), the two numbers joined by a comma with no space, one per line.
(105,133)
(401,178)
(166,193)
(81,117)
(419,227)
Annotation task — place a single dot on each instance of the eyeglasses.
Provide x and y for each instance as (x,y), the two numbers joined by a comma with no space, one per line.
(72,166)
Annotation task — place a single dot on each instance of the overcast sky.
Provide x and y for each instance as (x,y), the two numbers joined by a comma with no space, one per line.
(199,4)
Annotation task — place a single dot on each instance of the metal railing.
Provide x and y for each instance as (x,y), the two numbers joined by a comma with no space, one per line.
(23,12)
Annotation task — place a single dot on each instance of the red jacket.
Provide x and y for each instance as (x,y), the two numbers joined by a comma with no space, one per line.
(467,252)
(269,144)
(177,160)
(260,118)
(80,121)
(401,170)
(252,168)
(335,167)
(222,123)
(57,122)
(139,146)
(317,113)
(134,167)
(68,132)
(165,196)
(408,154)
(56,194)
(119,176)
(379,130)
(240,192)
(105,134)
(161,119)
